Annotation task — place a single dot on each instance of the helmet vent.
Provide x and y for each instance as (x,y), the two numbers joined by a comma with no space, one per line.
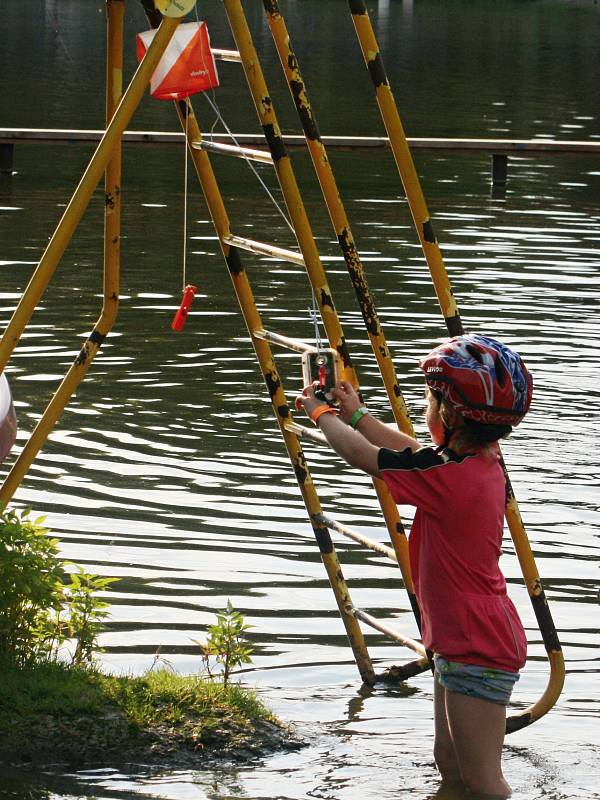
(501,373)
(474,351)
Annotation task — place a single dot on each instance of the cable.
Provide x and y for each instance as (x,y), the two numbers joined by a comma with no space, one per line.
(217,111)
(219,118)
(185,192)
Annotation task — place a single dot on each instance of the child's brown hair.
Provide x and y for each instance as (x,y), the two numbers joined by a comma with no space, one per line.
(467,434)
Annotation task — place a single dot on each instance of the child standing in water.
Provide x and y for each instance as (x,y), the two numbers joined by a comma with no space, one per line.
(477,391)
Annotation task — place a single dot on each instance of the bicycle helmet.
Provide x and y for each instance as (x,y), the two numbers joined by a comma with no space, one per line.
(481,378)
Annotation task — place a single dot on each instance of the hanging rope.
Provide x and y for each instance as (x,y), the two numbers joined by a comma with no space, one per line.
(185,194)
(315,318)
(188,290)
(219,118)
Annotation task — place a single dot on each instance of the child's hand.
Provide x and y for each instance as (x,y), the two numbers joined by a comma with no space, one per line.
(307,399)
(347,399)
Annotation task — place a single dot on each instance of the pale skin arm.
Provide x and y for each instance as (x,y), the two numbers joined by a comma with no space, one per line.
(360,449)
(349,444)
(375,431)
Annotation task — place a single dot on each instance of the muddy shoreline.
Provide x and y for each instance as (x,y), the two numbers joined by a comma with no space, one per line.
(107,740)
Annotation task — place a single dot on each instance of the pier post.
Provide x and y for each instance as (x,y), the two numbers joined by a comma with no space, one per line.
(499,169)
(7,152)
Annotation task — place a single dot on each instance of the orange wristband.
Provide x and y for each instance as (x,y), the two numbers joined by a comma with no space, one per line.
(319,410)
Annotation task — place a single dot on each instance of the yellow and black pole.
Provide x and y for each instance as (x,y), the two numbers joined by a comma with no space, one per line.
(115,12)
(106,157)
(272,380)
(337,212)
(316,273)
(543,616)
(287,181)
(416,201)
(343,231)
(405,164)
(281,408)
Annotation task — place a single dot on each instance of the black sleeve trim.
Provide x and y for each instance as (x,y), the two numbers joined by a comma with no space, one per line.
(422,459)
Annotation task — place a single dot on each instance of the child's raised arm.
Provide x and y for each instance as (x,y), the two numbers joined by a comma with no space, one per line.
(348,444)
(355,448)
(376,432)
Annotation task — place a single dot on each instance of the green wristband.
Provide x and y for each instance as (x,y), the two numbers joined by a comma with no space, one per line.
(357,416)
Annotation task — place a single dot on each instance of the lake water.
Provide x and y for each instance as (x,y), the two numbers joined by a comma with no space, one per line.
(167,470)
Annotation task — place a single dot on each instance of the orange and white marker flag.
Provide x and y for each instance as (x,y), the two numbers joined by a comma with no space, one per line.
(187,66)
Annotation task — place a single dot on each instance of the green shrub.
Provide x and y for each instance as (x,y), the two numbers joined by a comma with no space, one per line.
(41,606)
(86,613)
(226,643)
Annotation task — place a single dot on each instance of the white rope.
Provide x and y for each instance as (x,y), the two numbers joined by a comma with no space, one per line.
(313,313)
(219,116)
(185,192)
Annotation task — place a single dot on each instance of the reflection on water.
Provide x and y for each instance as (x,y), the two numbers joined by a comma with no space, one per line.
(168,470)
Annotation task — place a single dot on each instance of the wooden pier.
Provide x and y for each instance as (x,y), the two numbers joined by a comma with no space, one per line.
(499,149)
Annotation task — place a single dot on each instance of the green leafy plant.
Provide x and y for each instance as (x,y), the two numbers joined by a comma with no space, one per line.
(41,607)
(86,613)
(31,589)
(226,643)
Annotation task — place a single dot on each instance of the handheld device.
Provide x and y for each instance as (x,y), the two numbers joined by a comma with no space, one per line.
(321,367)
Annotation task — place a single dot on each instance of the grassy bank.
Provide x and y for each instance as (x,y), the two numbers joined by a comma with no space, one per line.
(51,713)
(54,712)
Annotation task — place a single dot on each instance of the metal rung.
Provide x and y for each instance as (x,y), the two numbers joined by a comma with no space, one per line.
(226,55)
(285,341)
(417,647)
(332,524)
(263,249)
(234,150)
(309,433)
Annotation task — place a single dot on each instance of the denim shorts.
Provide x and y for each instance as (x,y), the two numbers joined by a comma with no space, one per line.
(494,685)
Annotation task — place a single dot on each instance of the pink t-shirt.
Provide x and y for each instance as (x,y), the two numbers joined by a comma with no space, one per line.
(455,545)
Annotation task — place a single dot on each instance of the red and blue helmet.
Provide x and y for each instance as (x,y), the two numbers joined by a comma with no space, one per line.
(481,378)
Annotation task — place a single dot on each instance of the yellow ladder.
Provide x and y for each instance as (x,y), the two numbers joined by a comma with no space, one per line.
(307,256)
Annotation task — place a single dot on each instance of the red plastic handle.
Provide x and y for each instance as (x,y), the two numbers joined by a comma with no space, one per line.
(322,376)
(181,314)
